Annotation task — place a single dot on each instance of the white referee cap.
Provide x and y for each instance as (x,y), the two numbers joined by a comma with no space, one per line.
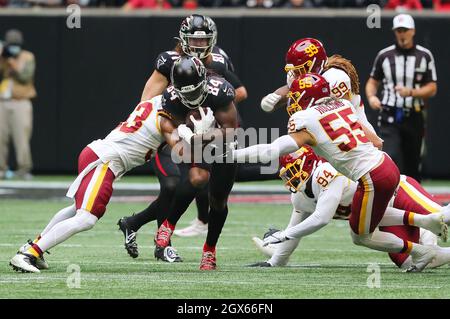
(403,21)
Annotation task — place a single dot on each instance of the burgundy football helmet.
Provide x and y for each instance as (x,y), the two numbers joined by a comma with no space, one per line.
(306,55)
(305,91)
(298,167)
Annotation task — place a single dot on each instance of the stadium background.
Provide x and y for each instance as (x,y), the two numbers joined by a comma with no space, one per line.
(89,79)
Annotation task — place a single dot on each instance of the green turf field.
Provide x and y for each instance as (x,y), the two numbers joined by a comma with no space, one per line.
(327,264)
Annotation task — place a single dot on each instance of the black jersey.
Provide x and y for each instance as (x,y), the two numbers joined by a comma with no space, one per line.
(220,95)
(220,64)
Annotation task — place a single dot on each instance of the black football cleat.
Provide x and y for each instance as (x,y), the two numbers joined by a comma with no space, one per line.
(130,238)
(260,264)
(167,254)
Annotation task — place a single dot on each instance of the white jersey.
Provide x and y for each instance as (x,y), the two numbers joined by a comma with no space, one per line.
(323,177)
(340,84)
(133,142)
(338,137)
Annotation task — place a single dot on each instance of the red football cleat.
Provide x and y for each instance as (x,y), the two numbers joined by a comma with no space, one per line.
(208,261)
(163,236)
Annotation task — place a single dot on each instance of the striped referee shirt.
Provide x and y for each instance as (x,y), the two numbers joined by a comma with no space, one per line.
(411,68)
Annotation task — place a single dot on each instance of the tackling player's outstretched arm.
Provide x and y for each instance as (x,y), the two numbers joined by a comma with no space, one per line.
(327,204)
(168,130)
(275,100)
(155,85)
(268,152)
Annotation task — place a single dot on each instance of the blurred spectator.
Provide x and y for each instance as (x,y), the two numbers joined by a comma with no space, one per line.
(16,114)
(190,4)
(441,5)
(147,4)
(300,4)
(220,3)
(259,4)
(404,5)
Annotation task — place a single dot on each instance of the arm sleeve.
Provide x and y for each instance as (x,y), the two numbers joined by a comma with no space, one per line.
(430,75)
(377,70)
(327,204)
(266,152)
(163,64)
(232,78)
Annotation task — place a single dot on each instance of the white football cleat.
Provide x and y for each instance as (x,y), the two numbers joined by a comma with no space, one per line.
(268,250)
(442,257)
(196,228)
(427,238)
(421,257)
(40,261)
(24,263)
(437,225)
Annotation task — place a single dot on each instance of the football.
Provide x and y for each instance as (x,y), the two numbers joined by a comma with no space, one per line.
(197,116)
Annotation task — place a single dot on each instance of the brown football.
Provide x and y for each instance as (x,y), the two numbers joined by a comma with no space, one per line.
(197,116)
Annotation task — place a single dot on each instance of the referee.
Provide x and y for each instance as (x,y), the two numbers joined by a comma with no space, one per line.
(408,76)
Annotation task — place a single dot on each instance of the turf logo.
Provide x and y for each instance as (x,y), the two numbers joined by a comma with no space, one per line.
(74,279)
(374,279)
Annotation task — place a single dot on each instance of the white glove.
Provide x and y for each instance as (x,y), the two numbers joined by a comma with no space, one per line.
(207,121)
(185,133)
(275,238)
(269,101)
(290,77)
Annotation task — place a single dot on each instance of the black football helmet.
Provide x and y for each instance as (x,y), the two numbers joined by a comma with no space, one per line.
(188,77)
(198,35)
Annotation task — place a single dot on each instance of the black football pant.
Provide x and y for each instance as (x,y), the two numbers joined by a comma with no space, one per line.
(170,176)
(220,184)
(403,143)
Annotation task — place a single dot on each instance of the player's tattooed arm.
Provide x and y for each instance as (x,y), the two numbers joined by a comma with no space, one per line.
(155,85)
(168,130)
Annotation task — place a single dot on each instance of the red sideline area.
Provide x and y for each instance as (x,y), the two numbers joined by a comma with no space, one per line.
(255,199)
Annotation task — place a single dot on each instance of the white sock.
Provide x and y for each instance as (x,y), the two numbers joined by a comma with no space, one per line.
(407,263)
(65,229)
(379,240)
(427,238)
(392,217)
(63,214)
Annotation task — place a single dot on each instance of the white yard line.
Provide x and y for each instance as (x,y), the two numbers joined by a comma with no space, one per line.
(255,189)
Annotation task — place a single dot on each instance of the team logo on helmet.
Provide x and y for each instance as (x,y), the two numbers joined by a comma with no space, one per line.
(198,35)
(297,168)
(305,56)
(305,91)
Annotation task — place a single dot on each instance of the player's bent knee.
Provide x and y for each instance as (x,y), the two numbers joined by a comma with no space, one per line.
(86,220)
(198,177)
(360,240)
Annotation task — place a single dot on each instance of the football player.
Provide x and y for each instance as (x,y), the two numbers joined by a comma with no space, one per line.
(332,128)
(180,98)
(100,163)
(309,55)
(197,38)
(320,193)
